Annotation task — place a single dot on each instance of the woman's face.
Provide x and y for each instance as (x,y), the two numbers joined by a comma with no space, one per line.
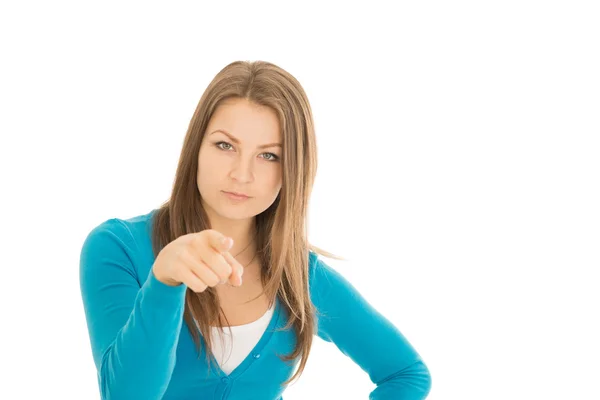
(251,166)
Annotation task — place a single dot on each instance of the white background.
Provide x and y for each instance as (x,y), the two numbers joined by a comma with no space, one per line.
(458,173)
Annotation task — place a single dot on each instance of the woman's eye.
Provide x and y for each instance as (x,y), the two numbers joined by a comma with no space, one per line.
(273,157)
(219,143)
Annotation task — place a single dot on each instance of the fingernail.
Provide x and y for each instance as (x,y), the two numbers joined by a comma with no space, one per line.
(226,242)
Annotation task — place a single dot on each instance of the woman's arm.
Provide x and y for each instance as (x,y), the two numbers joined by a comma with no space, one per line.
(133,326)
(367,337)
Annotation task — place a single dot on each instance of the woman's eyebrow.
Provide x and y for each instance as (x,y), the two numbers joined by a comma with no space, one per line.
(236,140)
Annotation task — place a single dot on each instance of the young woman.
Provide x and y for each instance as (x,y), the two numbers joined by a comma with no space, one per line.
(228,257)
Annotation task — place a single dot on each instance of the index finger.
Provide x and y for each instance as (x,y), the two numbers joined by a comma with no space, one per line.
(235,265)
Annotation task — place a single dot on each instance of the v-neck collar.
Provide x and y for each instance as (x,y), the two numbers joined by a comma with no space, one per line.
(255,353)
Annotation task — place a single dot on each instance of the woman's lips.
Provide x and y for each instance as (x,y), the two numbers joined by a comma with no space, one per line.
(234,196)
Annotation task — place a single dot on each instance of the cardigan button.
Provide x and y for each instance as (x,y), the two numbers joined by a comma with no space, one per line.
(256,355)
(225,379)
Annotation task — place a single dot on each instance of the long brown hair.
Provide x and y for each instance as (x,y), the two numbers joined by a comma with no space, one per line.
(281,230)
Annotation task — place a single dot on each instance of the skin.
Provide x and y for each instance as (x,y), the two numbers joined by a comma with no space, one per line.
(243,167)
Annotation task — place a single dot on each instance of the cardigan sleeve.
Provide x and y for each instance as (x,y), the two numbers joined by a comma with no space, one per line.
(133,323)
(346,319)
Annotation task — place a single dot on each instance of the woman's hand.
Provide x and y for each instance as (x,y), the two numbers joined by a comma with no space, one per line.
(198,260)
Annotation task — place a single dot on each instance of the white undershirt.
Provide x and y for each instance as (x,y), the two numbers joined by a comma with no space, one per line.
(240,343)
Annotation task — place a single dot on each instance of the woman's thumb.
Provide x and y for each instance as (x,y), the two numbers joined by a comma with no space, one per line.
(226,243)
(218,241)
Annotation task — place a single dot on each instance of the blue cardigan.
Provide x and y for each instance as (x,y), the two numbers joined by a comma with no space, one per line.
(143,350)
